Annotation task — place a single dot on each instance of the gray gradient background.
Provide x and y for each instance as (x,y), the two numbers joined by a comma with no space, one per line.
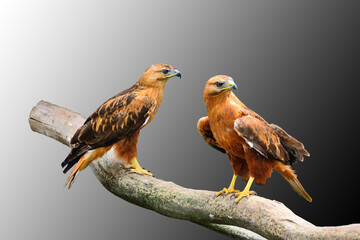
(295,62)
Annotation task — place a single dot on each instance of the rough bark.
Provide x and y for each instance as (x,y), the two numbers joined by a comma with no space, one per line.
(253,217)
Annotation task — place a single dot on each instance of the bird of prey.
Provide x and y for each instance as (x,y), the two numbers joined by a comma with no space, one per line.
(116,124)
(253,146)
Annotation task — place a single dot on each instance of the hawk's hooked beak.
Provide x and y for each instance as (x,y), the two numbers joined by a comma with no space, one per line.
(231,85)
(174,73)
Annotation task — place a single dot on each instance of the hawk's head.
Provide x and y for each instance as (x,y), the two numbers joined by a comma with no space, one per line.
(158,74)
(219,85)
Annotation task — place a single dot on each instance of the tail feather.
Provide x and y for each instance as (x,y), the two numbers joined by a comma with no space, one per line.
(297,187)
(73,179)
(82,157)
(75,172)
(290,176)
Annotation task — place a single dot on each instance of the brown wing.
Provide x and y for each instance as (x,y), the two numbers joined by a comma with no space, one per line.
(204,129)
(260,136)
(295,148)
(117,118)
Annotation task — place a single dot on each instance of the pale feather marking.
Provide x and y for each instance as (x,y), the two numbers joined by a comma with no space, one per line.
(146,120)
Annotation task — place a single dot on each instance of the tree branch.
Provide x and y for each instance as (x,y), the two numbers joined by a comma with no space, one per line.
(251,218)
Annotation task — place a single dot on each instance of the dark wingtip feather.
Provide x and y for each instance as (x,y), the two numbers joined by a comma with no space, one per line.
(294,147)
(70,165)
(305,152)
(74,157)
(63,163)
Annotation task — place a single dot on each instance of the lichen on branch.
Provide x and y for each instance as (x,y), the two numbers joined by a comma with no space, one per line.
(252,218)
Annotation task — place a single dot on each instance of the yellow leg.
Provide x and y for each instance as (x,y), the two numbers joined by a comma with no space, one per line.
(230,189)
(136,168)
(246,190)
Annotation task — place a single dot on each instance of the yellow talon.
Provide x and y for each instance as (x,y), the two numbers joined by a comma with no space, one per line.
(230,189)
(242,194)
(226,191)
(246,191)
(136,168)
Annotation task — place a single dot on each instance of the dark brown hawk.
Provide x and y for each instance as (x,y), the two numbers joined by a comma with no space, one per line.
(116,123)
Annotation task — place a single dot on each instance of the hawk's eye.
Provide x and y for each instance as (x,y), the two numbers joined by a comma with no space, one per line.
(165,71)
(219,84)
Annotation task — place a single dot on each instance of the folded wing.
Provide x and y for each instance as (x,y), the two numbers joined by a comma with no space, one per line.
(204,129)
(295,148)
(117,118)
(260,136)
